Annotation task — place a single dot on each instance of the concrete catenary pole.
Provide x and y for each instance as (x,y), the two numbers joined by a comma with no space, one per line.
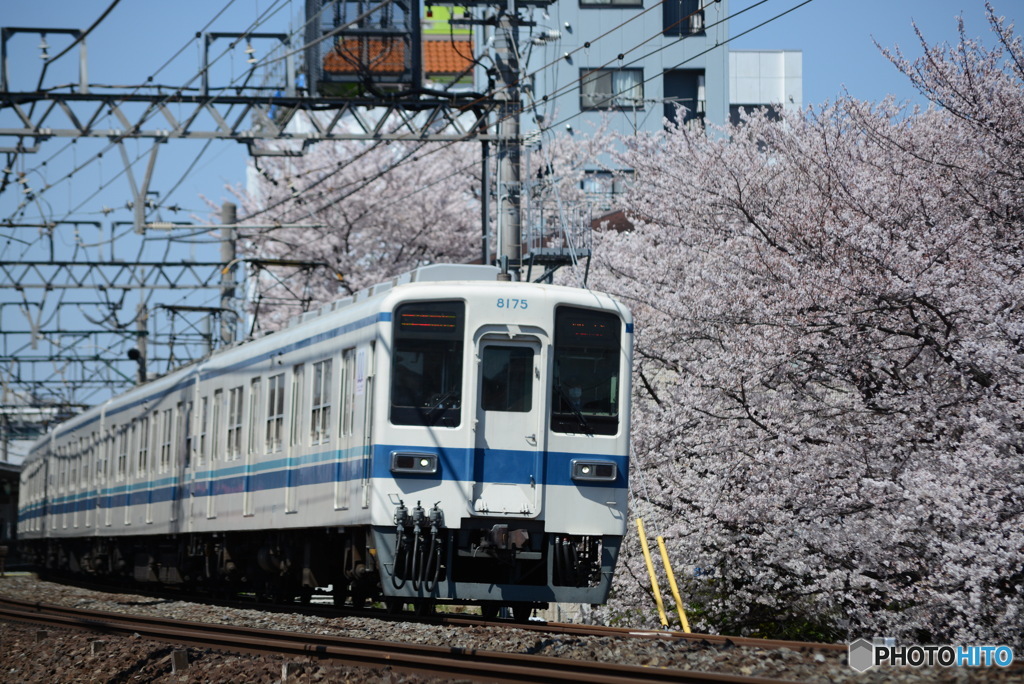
(228,316)
(506,53)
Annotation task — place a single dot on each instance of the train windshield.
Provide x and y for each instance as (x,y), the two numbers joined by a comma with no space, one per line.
(585,391)
(426,366)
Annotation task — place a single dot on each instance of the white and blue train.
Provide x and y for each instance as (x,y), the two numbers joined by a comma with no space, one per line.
(441,437)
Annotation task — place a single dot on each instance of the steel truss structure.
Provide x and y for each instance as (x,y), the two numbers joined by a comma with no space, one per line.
(28,119)
(75,330)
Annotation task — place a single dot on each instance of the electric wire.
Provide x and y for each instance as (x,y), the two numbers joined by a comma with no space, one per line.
(265,16)
(114,306)
(570,88)
(448,144)
(562,91)
(699,54)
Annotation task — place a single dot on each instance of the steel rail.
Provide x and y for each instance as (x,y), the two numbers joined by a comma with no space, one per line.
(461,620)
(441,661)
(675,635)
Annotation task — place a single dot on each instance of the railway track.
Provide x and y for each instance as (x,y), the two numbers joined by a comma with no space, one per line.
(436,661)
(457,620)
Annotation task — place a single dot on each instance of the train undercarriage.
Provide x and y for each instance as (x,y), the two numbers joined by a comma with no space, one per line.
(503,564)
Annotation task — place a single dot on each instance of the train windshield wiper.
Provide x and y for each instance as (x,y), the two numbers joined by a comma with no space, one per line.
(437,408)
(575,411)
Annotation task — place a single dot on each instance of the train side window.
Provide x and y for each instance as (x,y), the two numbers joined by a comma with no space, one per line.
(154,450)
(295,431)
(189,437)
(86,461)
(348,391)
(122,453)
(166,440)
(218,401)
(181,437)
(585,387)
(275,412)
(143,456)
(320,415)
(426,364)
(254,415)
(97,458)
(507,378)
(204,417)
(234,423)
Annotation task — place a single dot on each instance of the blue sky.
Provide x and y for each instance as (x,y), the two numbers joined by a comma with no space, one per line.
(142,38)
(139,36)
(838,38)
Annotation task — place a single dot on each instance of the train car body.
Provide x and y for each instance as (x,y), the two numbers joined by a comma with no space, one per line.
(444,436)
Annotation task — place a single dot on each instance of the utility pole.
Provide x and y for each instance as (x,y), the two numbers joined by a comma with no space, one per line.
(142,326)
(506,53)
(228,318)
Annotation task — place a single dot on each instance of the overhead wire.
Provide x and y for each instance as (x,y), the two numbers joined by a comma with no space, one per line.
(570,87)
(692,57)
(266,15)
(109,146)
(562,90)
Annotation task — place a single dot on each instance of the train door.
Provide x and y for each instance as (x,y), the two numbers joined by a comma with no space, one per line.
(364,391)
(252,446)
(293,454)
(508,466)
(348,440)
(216,411)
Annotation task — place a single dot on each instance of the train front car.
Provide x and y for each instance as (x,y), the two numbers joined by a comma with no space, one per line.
(501,444)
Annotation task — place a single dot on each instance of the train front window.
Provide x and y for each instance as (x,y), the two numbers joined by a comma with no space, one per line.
(507,378)
(585,389)
(426,366)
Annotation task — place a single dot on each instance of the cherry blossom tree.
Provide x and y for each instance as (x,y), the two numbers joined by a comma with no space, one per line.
(356,213)
(830,360)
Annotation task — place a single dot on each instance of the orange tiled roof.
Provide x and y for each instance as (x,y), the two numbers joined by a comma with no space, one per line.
(376,55)
(444,57)
(380,56)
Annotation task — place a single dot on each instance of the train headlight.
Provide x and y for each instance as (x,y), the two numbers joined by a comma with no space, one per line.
(594,471)
(413,463)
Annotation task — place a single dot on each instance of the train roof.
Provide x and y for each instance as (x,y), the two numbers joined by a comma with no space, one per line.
(437,274)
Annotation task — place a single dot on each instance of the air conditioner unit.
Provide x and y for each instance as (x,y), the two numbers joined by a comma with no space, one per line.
(697,22)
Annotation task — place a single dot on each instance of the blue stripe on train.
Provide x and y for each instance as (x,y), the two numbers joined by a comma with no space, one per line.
(478,465)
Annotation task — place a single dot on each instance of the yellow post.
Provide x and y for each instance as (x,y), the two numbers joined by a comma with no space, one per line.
(672,583)
(650,571)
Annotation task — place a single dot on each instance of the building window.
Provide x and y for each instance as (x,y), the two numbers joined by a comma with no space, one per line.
(738,111)
(682,17)
(611,3)
(685,94)
(611,89)
(605,189)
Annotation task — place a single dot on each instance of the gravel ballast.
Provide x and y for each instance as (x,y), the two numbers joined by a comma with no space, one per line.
(71,656)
